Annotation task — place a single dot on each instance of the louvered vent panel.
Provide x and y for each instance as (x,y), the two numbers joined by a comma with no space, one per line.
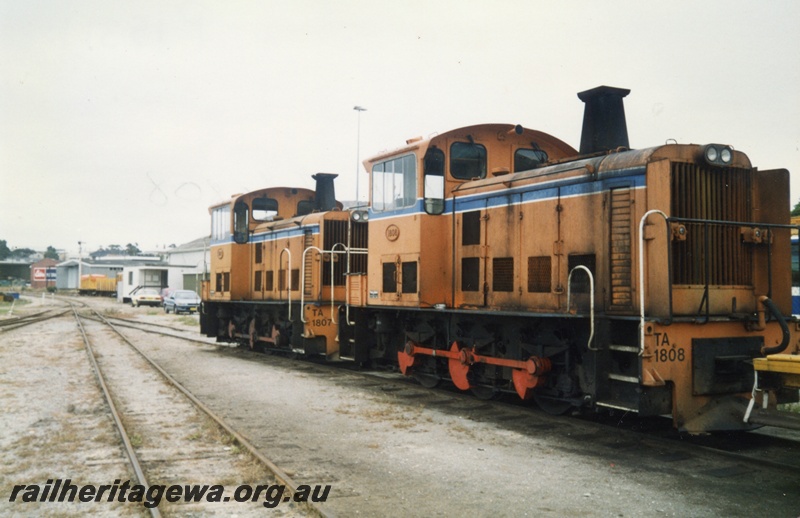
(503,274)
(539,274)
(620,265)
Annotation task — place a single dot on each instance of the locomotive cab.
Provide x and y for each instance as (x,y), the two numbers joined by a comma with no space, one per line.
(270,252)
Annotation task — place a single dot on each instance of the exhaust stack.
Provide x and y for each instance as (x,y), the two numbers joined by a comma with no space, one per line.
(325,194)
(604,126)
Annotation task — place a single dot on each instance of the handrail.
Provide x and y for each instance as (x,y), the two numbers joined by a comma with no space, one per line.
(303,278)
(333,263)
(641,273)
(288,277)
(591,308)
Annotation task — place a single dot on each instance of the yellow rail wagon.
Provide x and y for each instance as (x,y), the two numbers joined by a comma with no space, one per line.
(95,284)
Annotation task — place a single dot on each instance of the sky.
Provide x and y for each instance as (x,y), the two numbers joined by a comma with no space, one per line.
(122,122)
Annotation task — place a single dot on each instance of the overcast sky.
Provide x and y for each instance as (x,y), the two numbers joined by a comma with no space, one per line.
(121,122)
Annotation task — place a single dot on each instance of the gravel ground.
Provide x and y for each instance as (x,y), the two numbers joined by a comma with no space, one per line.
(385,457)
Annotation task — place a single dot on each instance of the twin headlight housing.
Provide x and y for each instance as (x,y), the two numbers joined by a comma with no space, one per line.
(359,215)
(717,154)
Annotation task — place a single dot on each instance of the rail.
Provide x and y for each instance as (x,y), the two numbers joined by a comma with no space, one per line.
(123,433)
(591,295)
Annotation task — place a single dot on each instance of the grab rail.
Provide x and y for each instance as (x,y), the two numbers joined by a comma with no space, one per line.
(288,277)
(641,274)
(591,307)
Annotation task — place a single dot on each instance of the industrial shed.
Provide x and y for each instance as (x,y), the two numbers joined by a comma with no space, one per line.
(192,258)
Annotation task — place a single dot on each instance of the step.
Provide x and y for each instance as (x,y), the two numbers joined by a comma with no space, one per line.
(624,348)
(617,405)
(623,378)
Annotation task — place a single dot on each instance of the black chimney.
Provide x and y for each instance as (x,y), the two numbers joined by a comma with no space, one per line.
(604,125)
(325,195)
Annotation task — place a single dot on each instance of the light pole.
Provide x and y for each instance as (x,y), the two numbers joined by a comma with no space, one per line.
(80,259)
(359,109)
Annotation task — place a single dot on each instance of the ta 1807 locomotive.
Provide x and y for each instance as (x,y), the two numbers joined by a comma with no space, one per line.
(504,260)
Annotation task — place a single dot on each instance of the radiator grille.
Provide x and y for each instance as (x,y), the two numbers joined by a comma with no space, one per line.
(723,194)
(539,274)
(335,234)
(503,274)
(359,239)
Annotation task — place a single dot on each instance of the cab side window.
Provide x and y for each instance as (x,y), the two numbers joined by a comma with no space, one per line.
(467,160)
(394,183)
(265,209)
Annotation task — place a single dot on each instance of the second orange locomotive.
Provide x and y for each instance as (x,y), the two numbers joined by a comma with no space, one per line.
(503,259)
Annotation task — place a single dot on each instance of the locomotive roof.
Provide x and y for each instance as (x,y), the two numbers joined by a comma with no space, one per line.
(480,132)
(295,191)
(600,163)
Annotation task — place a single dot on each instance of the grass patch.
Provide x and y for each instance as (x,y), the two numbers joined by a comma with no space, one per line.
(189,320)
(17,303)
(136,440)
(112,312)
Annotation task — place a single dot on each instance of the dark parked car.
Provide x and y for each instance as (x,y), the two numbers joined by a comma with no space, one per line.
(182,301)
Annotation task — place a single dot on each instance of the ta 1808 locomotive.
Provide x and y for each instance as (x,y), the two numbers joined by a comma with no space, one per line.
(504,260)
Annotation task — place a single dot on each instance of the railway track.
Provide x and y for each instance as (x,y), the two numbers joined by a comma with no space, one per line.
(759,449)
(153,457)
(32,318)
(620,444)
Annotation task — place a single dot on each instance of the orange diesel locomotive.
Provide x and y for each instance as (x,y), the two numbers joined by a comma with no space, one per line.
(503,259)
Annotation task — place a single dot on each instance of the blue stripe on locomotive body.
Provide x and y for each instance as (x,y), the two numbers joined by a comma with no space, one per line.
(273,235)
(585,185)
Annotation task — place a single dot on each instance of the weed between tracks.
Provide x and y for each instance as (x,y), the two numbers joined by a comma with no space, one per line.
(189,321)
(386,414)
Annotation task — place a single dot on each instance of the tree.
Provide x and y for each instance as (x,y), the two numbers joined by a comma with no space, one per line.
(22,253)
(132,249)
(51,253)
(796,209)
(4,250)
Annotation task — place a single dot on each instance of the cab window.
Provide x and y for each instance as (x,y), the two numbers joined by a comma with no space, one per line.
(305,207)
(394,183)
(525,159)
(434,181)
(221,223)
(265,209)
(241,232)
(467,160)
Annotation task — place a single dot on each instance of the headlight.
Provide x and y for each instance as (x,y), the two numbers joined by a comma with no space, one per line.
(717,154)
(360,215)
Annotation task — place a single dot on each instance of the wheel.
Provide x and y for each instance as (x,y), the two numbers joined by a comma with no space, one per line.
(483,392)
(552,406)
(166,309)
(426,380)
